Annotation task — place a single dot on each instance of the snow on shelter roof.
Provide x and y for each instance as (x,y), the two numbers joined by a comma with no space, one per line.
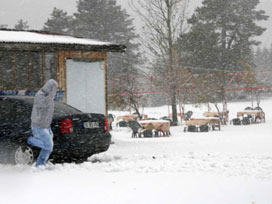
(53,41)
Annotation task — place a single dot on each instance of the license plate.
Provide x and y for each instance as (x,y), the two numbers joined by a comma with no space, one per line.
(91,125)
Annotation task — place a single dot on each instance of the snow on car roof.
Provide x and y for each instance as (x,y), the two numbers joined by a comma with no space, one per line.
(13,36)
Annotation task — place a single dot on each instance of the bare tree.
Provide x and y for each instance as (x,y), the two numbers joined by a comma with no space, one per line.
(124,94)
(21,25)
(164,21)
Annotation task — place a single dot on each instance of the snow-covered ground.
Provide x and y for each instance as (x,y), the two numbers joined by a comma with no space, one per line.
(231,166)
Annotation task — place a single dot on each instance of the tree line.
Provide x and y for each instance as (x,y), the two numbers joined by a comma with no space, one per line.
(219,37)
(263,58)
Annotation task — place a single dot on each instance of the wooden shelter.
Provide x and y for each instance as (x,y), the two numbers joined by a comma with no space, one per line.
(29,58)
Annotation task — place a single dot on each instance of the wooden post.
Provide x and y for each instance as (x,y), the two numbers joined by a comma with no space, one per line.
(251,96)
(181,110)
(167,101)
(209,108)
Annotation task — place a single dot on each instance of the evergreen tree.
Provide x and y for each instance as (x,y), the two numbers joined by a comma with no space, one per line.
(258,58)
(263,58)
(59,22)
(221,34)
(21,25)
(269,66)
(104,20)
(266,59)
(263,62)
(220,40)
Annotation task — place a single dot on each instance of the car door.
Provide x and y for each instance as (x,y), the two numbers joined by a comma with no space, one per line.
(14,119)
(22,119)
(6,117)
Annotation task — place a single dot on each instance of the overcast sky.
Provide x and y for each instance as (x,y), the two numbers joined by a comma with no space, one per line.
(36,12)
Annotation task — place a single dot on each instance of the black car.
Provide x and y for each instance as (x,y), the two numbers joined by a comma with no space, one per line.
(77,135)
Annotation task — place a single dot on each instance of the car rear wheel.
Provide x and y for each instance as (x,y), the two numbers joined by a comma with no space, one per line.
(22,155)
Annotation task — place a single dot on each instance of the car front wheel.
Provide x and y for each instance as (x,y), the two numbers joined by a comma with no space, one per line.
(22,155)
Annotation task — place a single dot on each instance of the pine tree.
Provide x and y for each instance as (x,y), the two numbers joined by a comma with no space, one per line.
(269,66)
(220,40)
(59,22)
(104,20)
(222,34)
(258,58)
(266,58)
(263,58)
(263,62)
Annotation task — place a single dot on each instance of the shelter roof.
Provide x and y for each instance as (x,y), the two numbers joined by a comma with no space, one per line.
(43,40)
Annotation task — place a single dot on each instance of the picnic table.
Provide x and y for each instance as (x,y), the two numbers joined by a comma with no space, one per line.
(253,114)
(130,117)
(162,126)
(224,116)
(211,114)
(213,121)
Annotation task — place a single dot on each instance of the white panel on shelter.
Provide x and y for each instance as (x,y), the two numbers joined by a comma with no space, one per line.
(85,82)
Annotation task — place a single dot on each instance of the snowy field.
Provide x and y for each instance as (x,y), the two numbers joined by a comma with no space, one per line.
(231,166)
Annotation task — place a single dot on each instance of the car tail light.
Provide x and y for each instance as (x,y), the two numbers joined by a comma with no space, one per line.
(66,126)
(106,124)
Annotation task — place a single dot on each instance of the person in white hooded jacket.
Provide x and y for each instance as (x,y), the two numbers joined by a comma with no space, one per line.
(41,118)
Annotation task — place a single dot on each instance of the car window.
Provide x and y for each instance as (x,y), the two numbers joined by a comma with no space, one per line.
(6,109)
(61,108)
(21,111)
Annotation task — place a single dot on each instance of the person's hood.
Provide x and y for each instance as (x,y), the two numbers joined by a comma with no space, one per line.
(50,88)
